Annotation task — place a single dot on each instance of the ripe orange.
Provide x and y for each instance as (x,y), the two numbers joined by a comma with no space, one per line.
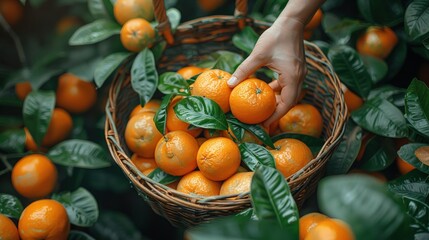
(377,42)
(331,229)
(74,94)
(143,163)
(196,183)
(403,166)
(190,71)
(151,106)
(8,229)
(125,10)
(67,23)
(44,219)
(218,158)
(12,11)
(22,89)
(141,134)
(353,101)
(212,84)
(303,118)
(137,34)
(237,183)
(34,176)
(176,153)
(315,20)
(252,101)
(308,222)
(210,5)
(174,123)
(290,155)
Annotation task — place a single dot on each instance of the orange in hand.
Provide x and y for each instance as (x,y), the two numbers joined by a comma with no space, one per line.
(308,222)
(303,119)
(74,94)
(8,230)
(196,183)
(331,229)
(237,183)
(137,34)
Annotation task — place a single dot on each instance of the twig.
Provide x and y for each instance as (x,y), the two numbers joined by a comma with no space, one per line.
(15,39)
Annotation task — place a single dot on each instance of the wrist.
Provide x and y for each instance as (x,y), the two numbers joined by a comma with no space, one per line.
(289,23)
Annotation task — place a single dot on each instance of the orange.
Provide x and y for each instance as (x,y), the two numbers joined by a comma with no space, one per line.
(303,118)
(353,101)
(67,23)
(308,222)
(34,176)
(290,155)
(141,134)
(218,158)
(201,140)
(74,94)
(125,10)
(148,171)
(174,123)
(195,183)
(151,106)
(44,219)
(190,71)
(176,153)
(22,89)
(237,183)
(212,84)
(403,166)
(247,136)
(315,20)
(8,229)
(143,163)
(331,229)
(137,34)
(210,5)
(377,42)
(12,11)
(252,101)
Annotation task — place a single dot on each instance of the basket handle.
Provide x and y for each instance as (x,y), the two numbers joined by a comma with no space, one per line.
(164,27)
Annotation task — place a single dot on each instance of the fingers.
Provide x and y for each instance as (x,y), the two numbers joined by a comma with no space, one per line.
(246,68)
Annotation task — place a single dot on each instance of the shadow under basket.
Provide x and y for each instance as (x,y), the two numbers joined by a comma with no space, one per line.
(192,41)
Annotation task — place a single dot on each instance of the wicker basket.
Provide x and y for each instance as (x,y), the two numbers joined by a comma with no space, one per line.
(190,41)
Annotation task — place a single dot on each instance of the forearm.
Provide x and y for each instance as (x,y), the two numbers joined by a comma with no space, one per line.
(300,10)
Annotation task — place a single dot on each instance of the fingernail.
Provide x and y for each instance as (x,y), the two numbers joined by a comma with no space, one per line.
(232,81)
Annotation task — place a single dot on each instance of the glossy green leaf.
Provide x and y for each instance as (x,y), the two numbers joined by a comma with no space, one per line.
(407,153)
(376,68)
(144,75)
(114,225)
(78,235)
(236,130)
(37,113)
(158,50)
(79,153)
(10,206)
(397,57)
(94,32)
(391,93)
(162,177)
(174,16)
(350,69)
(417,106)
(379,154)
(226,60)
(107,66)
(315,144)
(416,20)
(342,28)
(245,40)
(12,141)
(383,12)
(160,117)
(419,214)
(254,155)
(254,129)
(172,82)
(381,117)
(101,8)
(273,200)
(81,207)
(366,205)
(201,112)
(414,184)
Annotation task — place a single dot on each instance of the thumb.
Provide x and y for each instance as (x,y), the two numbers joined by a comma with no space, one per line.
(246,68)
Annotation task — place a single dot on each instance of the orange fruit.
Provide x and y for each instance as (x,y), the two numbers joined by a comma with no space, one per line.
(247,137)
(174,123)
(290,155)
(44,219)
(151,106)
(303,118)
(252,101)
(137,34)
(148,171)
(315,20)
(331,229)
(210,5)
(12,11)
(8,229)
(308,222)
(67,23)
(377,42)
(143,163)
(237,183)
(141,134)
(403,166)
(190,71)
(196,183)
(218,158)
(22,89)
(34,176)
(201,140)
(353,101)
(74,94)
(212,84)
(176,153)
(124,10)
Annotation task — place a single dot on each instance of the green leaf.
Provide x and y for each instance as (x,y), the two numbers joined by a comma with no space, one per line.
(342,28)
(226,60)
(144,76)
(350,69)
(11,121)
(245,40)
(114,225)
(10,206)
(414,184)
(417,106)
(201,112)
(382,12)
(254,129)
(174,16)
(160,117)
(376,68)
(407,153)
(391,93)
(381,117)
(419,214)
(78,235)
(272,199)
(94,32)
(101,8)
(158,50)
(172,82)
(416,20)
(315,144)
(37,113)
(79,153)
(162,177)
(85,70)
(12,141)
(81,206)
(397,57)
(254,155)
(107,66)
(379,154)
(366,205)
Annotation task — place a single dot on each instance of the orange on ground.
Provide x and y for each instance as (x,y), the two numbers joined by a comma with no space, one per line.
(377,42)
(353,101)
(174,123)
(237,183)
(12,11)
(403,166)
(143,163)
(195,183)
(218,158)
(74,94)
(8,230)
(44,219)
(210,5)
(212,84)
(137,34)
(190,71)
(303,118)
(290,155)
(124,10)
(176,153)
(331,229)
(67,23)
(308,222)
(315,20)
(151,106)
(252,101)
(141,134)
(22,89)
